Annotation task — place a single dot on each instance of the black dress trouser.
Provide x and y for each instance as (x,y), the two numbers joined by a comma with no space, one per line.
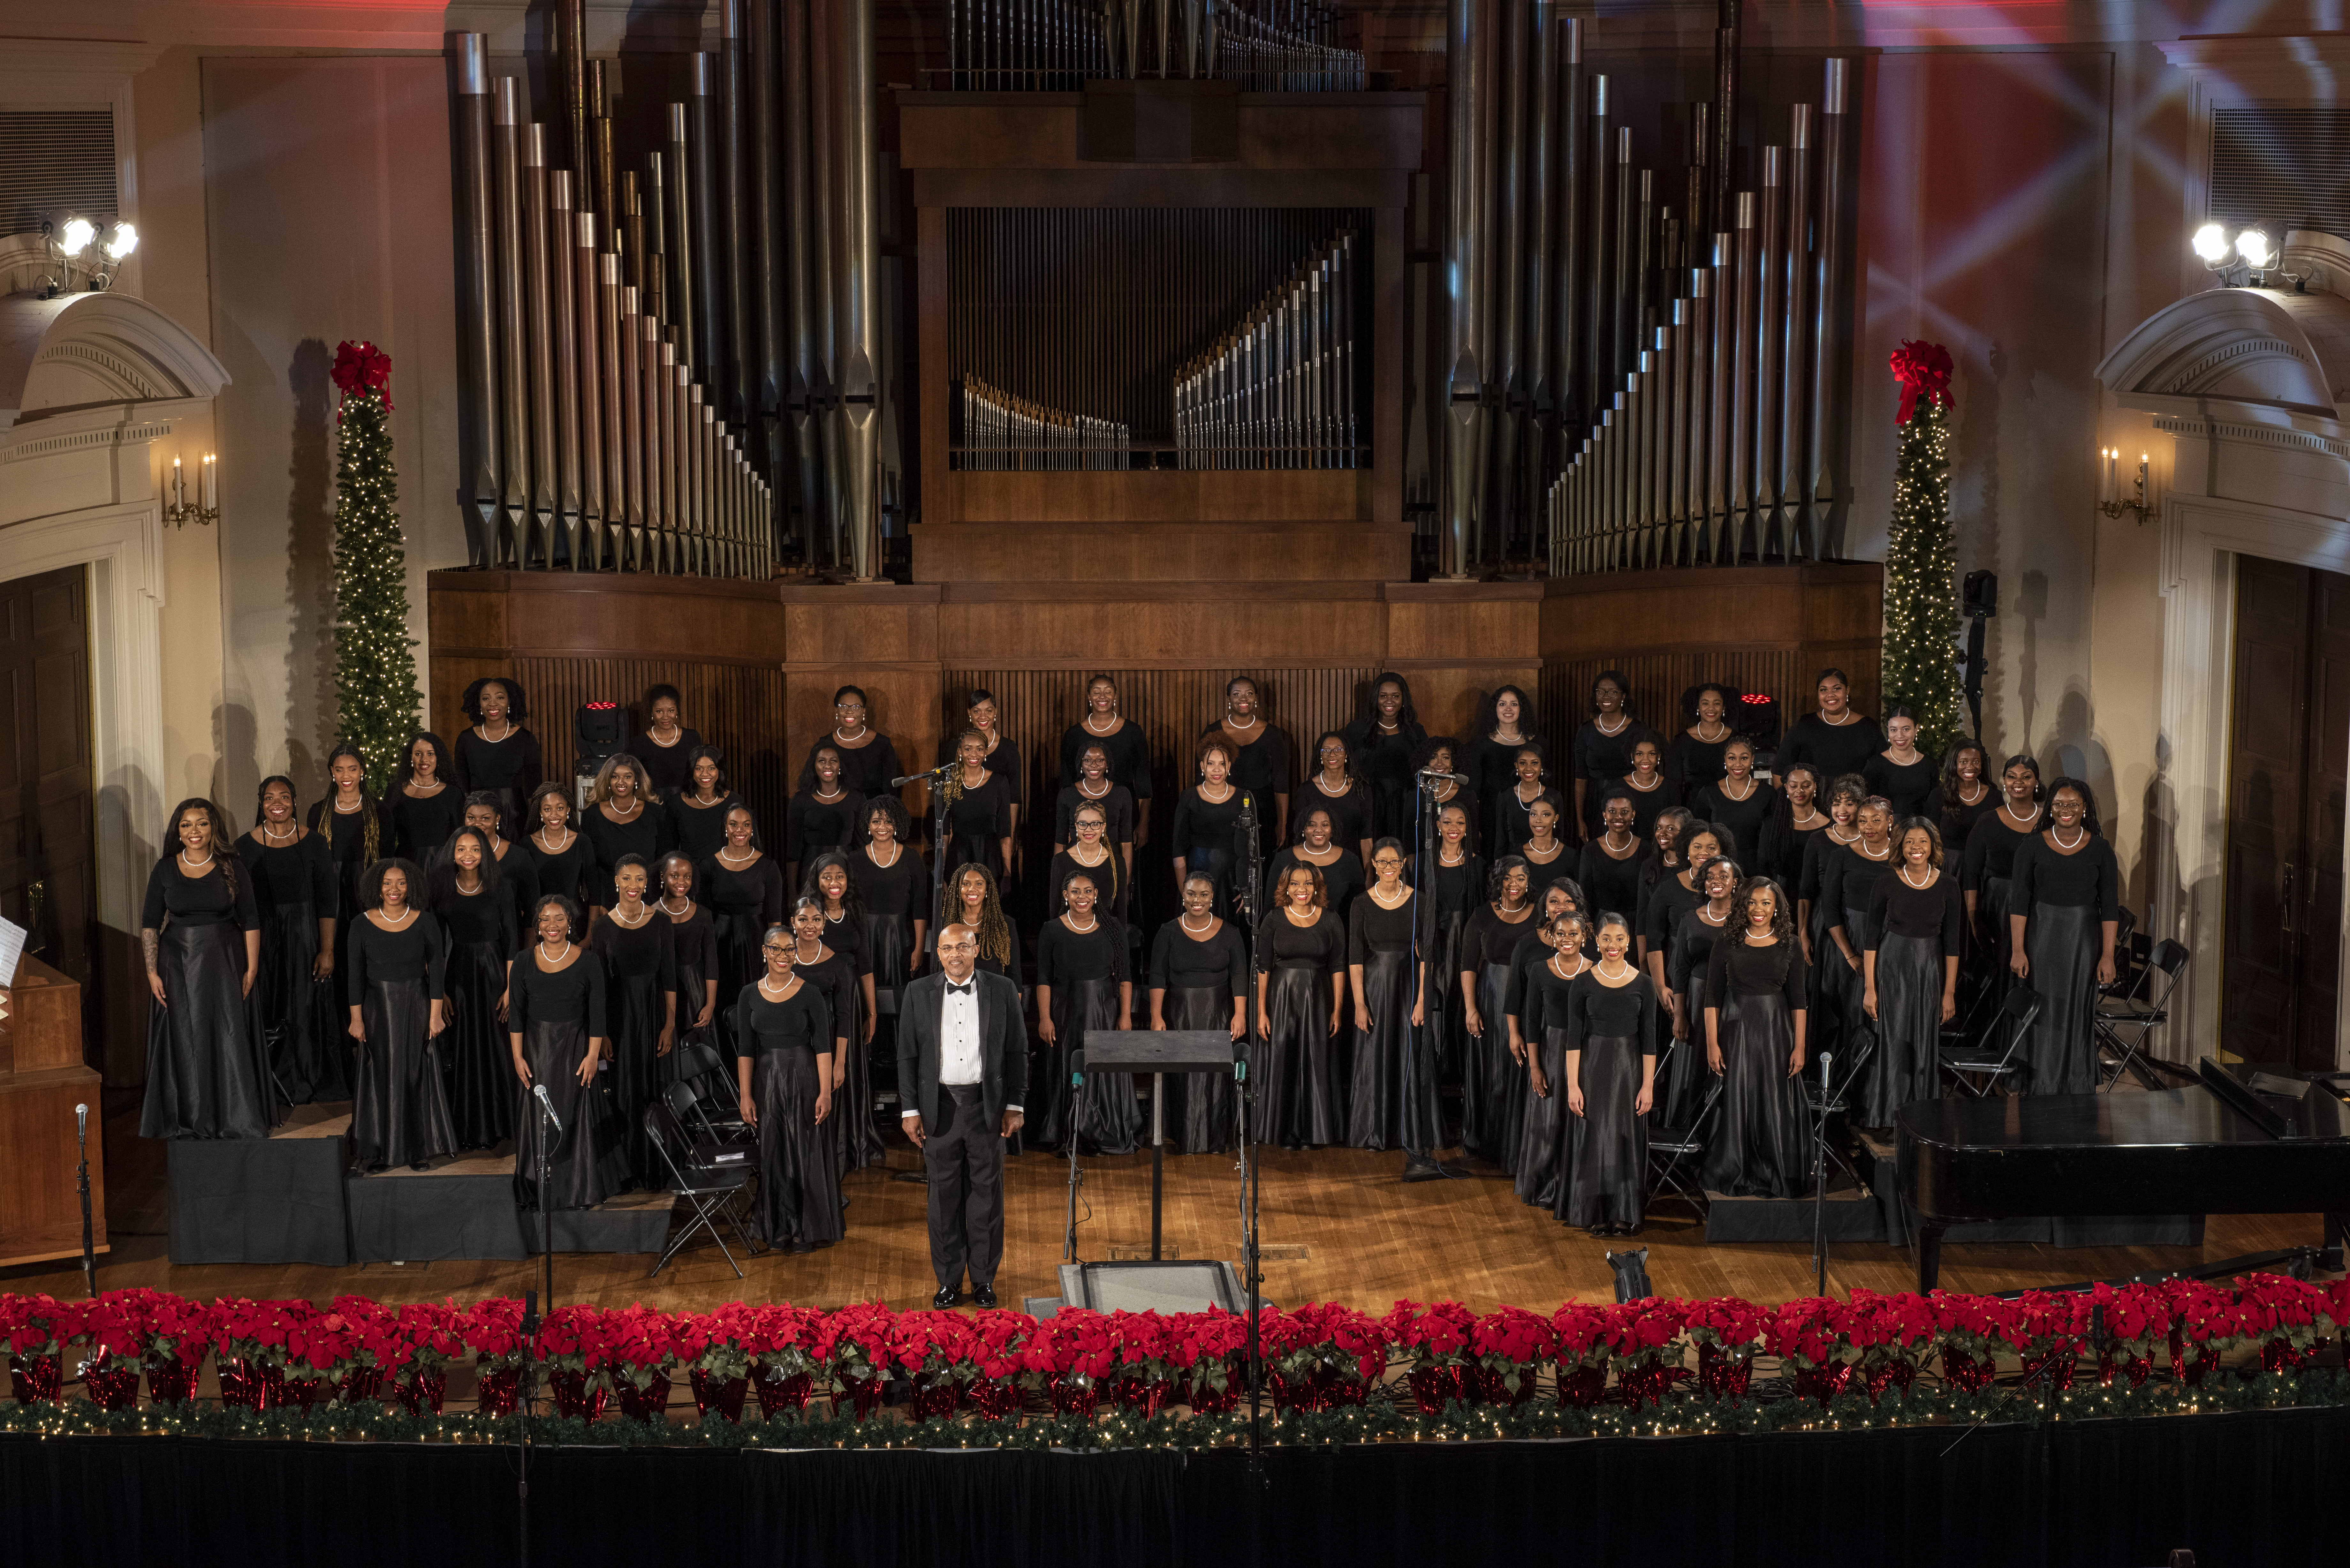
(963,1156)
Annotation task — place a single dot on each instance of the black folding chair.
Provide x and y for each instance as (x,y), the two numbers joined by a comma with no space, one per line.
(1827,1101)
(713,1093)
(1668,1147)
(713,1192)
(1980,1069)
(2123,1021)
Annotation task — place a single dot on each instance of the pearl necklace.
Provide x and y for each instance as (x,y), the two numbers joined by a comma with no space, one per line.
(286,837)
(1623,970)
(1835,723)
(557,959)
(777,995)
(1347,784)
(504,735)
(1396,903)
(1834,839)
(1460,860)
(1608,843)
(1632,781)
(896,849)
(743,860)
(1216,799)
(1098,730)
(2027,821)
(1742,799)
(836,793)
(1600,724)
(1980,789)
(1709,740)
(614,915)
(1810,814)
(820,953)
(1903,872)
(357,806)
(675,914)
(1185,922)
(408,914)
(1101,793)
(1865,854)
(1084,929)
(1580,965)
(194,866)
(2056,837)
(1705,912)
(617,815)
(850,740)
(1234,724)
(559,848)
(703,801)
(1101,853)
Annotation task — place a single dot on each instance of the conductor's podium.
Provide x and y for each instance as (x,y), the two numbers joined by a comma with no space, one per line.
(42,1079)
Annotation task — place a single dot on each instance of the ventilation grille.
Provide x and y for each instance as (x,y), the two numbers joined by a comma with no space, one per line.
(2281,164)
(53,161)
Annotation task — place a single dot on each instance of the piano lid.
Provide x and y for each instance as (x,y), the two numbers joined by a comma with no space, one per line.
(2157,1118)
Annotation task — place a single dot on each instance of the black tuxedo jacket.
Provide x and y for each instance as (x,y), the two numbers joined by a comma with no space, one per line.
(1002,1045)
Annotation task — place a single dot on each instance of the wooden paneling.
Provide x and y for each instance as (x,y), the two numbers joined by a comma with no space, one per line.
(1288,133)
(597,613)
(1206,553)
(1089,628)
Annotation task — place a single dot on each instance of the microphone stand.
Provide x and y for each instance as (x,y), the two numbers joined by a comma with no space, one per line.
(545,1215)
(526,1377)
(1250,857)
(81,1176)
(1077,1175)
(1820,1177)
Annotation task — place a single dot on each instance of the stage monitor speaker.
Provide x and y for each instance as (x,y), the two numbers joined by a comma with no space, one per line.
(1144,1286)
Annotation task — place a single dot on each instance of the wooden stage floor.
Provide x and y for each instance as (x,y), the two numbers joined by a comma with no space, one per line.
(1336,1226)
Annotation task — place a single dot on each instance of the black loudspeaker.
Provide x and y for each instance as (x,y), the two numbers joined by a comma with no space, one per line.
(1979,596)
(598,729)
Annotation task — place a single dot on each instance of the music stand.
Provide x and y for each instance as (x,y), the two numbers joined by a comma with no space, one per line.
(1158,1052)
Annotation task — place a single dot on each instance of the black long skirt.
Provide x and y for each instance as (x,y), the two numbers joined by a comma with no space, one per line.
(635,1005)
(2063,942)
(1681,1075)
(1993,958)
(1447,1029)
(1909,1027)
(1823,991)
(476,1046)
(582,1158)
(1298,1091)
(799,1184)
(400,1109)
(1209,1119)
(1607,1177)
(740,963)
(1859,1032)
(1103,1114)
(300,1020)
(1392,1101)
(1492,1096)
(207,1068)
(889,938)
(692,990)
(1547,1142)
(1762,1140)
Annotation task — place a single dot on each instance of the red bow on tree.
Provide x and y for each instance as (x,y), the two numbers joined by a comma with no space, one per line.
(363,371)
(1924,370)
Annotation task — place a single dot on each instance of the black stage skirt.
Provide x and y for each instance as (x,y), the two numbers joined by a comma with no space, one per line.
(740,963)
(1820,989)
(1860,1031)
(1297,1093)
(1992,959)
(1549,1136)
(1763,1142)
(693,989)
(1909,1027)
(889,940)
(799,1185)
(1447,1024)
(583,1158)
(1493,1092)
(1205,1108)
(2063,942)
(301,1022)
(635,1005)
(1681,1076)
(400,1111)
(1104,1114)
(1392,1101)
(1607,1177)
(207,1067)
(476,1046)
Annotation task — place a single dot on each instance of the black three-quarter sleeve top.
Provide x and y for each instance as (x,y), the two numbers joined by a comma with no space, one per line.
(800,1021)
(1261,766)
(480,915)
(1742,969)
(1182,963)
(901,887)
(1487,938)
(1830,750)
(412,952)
(811,825)
(983,814)
(302,872)
(865,770)
(572,993)
(204,899)
(1661,914)
(2088,878)
(1129,754)
(1116,806)
(694,944)
(646,949)
(1207,824)
(1990,851)
(1283,944)
(511,764)
(1956,820)
(1903,786)
(1342,879)
(1692,764)
(1372,928)
(1847,881)
(1821,851)
(834,978)
(1598,1011)
(1936,912)
(1002,758)
(753,893)
(421,823)
(646,834)
(1747,820)
(1610,887)
(1602,759)
(566,872)
(1065,957)
(669,769)
(700,831)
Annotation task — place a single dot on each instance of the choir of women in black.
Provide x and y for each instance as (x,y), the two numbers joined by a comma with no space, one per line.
(1083,986)
(294,887)
(978,814)
(1541,1022)
(1089,854)
(693,943)
(1204,833)
(1916,920)
(784,1078)
(1301,977)
(868,759)
(1738,802)
(1125,750)
(1319,845)
(1609,870)
(1611,1066)
(2063,919)
(1986,877)
(395,990)
(1492,1099)
(1695,759)
(496,752)
(1688,958)
(667,747)
(822,814)
(1199,981)
(207,1066)
(620,820)
(637,947)
(1260,756)
(1755,995)
(426,804)
(466,892)
(1333,789)
(1381,743)
(557,1010)
(1900,775)
(1602,748)
(562,861)
(831,881)
(1391,1099)
(698,807)
(1833,739)
(743,890)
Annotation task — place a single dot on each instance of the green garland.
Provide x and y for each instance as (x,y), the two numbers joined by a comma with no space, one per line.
(374,665)
(1920,668)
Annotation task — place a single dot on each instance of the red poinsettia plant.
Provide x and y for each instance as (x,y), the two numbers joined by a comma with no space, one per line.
(637,1346)
(1074,1347)
(1434,1335)
(576,1339)
(1512,1346)
(260,1333)
(789,1341)
(37,1324)
(113,1330)
(491,1330)
(718,1344)
(423,1336)
(1213,1344)
(864,1346)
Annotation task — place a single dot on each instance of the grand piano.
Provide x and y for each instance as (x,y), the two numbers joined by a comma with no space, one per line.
(2220,1145)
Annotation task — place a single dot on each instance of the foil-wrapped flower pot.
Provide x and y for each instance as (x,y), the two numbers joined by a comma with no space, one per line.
(1146,1397)
(1436,1387)
(863,1395)
(112,1385)
(996,1399)
(935,1395)
(1076,1395)
(780,1391)
(650,1403)
(500,1391)
(172,1380)
(35,1379)
(423,1392)
(577,1396)
(711,1392)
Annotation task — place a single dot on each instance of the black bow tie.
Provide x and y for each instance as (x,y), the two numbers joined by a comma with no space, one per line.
(963,990)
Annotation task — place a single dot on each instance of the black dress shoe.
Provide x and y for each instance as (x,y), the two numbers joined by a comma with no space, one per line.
(983,1295)
(948,1296)
(798,1244)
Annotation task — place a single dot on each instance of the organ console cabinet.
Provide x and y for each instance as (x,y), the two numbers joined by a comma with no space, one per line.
(41,1078)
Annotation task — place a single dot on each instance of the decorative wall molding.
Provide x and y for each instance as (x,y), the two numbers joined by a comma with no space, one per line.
(49,446)
(2200,429)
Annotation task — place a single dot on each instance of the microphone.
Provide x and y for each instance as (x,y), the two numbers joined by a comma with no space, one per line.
(918,778)
(81,1123)
(1432,773)
(548,1107)
(1077,1068)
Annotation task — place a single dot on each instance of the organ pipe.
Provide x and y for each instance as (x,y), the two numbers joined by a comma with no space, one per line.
(476,232)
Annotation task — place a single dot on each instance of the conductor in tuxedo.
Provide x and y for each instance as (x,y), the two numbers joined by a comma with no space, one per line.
(962,1065)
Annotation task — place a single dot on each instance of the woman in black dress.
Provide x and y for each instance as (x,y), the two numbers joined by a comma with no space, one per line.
(1812,914)
(1199,981)
(1435,755)
(496,752)
(1505,729)
(823,815)
(785,1079)
(1096,787)
(557,1009)
(1455,888)
(831,881)
(1089,854)
(1662,860)
(621,819)
(1696,759)
(979,810)
(1560,895)
(1609,870)
(1847,883)
(1124,747)
(1335,789)
(293,882)
(1738,803)
(969,898)
(1492,1096)
(485,817)
(1543,1023)
(1319,845)
(1986,877)
(1795,817)
(425,806)
(1645,785)
(399,1105)
(1207,818)
(1916,925)
(1754,1019)
(353,828)
(697,811)
(639,950)
(1001,757)
(2064,920)
(1260,753)
(743,888)
(693,943)
(1391,1101)
(1510,809)
(1083,985)
(833,973)
(466,893)
(207,1066)
(1543,850)
(562,861)
(893,886)
(1688,958)
(868,759)
(1381,743)
(1833,739)
(1301,982)
(1901,774)
(1611,1071)
(1962,798)
(1603,748)
(667,746)
(1674,896)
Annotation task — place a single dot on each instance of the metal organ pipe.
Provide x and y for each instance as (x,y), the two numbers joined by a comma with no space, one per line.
(544,454)
(1465,392)
(1819,482)
(1770,333)
(480,355)
(1792,393)
(514,355)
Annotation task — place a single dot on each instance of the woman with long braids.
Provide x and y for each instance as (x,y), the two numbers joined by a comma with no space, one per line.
(1083,986)
(557,1009)
(425,806)
(743,890)
(1754,1017)
(495,752)
(1199,981)
(467,894)
(693,941)
(1492,1103)
(968,897)
(1543,1021)
(355,835)
(622,819)
(1611,1071)
(562,861)
(1300,978)
(399,1105)
(207,1066)
(639,950)
(830,882)
(2063,922)
(1381,740)
(784,1078)
(293,887)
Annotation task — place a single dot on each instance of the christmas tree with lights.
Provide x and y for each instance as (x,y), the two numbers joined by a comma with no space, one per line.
(1921,591)
(375,667)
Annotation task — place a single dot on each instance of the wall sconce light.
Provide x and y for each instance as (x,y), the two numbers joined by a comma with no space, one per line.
(71,241)
(2109,498)
(177,511)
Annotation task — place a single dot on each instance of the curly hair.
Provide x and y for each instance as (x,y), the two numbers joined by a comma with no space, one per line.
(1499,875)
(1489,718)
(995,934)
(517,709)
(1909,825)
(1742,904)
(890,806)
(371,882)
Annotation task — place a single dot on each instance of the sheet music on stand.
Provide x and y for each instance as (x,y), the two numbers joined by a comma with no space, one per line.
(11,950)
